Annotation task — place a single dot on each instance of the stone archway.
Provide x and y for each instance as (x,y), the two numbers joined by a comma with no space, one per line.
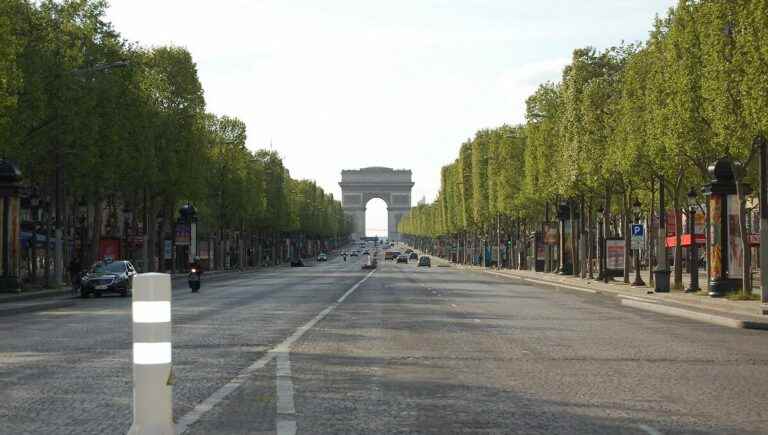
(360,186)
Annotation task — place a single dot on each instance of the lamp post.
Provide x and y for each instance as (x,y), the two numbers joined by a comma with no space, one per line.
(638,279)
(693,249)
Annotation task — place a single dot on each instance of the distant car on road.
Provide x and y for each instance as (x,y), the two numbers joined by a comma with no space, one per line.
(354,253)
(413,256)
(297,262)
(408,251)
(366,252)
(322,257)
(108,277)
(402,259)
(425,261)
(372,265)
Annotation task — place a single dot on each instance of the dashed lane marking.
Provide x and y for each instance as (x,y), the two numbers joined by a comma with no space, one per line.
(206,405)
(649,430)
(286,410)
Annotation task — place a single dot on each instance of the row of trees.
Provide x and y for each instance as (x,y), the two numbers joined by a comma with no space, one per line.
(620,123)
(95,120)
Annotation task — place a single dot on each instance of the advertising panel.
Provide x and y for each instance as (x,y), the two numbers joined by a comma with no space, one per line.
(614,254)
(715,236)
(202,249)
(735,251)
(551,234)
(183,235)
(670,222)
(568,248)
(109,248)
(698,223)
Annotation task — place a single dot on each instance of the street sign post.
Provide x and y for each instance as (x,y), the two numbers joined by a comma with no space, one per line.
(638,236)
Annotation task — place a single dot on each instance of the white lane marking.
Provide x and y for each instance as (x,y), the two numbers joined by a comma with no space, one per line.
(637,299)
(286,427)
(206,405)
(286,410)
(649,430)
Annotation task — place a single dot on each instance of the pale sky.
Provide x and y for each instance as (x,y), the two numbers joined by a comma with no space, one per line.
(346,84)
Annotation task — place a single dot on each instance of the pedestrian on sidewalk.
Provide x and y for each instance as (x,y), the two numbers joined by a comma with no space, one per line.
(75,269)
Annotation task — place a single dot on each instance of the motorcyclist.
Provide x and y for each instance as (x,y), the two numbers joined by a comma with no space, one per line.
(196,266)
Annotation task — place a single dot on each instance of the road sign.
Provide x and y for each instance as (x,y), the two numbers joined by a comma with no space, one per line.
(638,236)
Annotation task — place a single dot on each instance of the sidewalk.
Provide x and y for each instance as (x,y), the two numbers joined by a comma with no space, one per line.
(696,306)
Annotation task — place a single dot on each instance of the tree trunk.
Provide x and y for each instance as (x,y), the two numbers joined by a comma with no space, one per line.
(651,236)
(606,233)
(590,242)
(625,232)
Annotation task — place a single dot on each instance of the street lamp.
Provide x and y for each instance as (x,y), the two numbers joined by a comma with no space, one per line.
(693,251)
(638,279)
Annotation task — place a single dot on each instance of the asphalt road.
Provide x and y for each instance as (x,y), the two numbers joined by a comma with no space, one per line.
(407,350)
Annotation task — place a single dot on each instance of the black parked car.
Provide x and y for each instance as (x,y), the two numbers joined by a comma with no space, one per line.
(108,277)
(413,256)
(402,259)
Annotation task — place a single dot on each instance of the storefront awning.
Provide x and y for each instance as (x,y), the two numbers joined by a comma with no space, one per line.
(685,240)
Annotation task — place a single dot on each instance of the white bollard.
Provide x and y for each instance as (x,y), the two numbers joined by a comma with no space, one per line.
(152,373)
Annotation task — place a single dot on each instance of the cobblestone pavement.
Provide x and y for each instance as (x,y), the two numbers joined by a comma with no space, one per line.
(434,351)
(68,371)
(439,351)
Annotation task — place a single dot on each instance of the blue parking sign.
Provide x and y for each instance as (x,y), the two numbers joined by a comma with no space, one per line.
(637,230)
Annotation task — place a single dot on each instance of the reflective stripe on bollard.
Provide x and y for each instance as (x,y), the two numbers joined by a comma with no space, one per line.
(152,372)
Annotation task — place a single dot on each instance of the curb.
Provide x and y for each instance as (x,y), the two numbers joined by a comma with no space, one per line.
(653,305)
(45,306)
(547,283)
(695,315)
(38,294)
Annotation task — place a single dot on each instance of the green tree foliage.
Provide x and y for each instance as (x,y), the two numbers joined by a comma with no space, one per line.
(664,109)
(92,117)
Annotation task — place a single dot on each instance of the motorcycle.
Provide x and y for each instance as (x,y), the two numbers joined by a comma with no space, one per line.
(194,280)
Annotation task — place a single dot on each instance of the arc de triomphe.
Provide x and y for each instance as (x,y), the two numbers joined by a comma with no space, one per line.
(360,186)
